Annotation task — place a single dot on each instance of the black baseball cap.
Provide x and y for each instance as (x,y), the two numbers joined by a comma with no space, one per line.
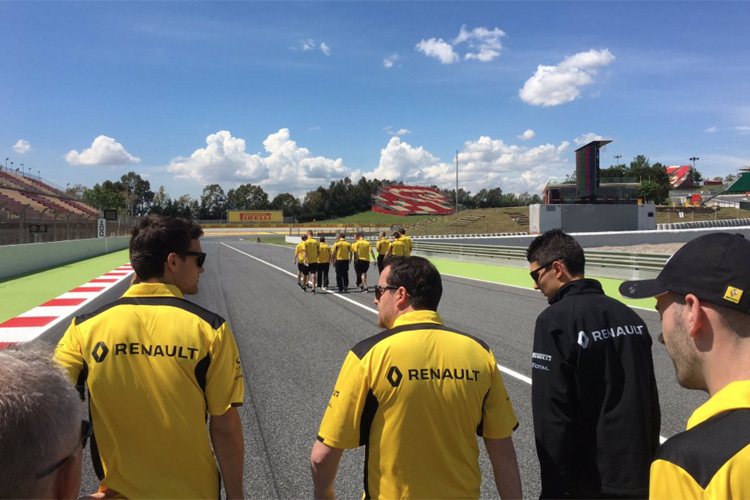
(715,268)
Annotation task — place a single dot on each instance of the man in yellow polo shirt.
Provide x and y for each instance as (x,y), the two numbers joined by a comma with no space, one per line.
(299,261)
(310,253)
(340,256)
(382,247)
(397,247)
(324,263)
(703,298)
(407,242)
(416,395)
(362,251)
(158,367)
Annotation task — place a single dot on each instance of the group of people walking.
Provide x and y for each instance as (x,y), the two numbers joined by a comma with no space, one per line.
(159,368)
(314,258)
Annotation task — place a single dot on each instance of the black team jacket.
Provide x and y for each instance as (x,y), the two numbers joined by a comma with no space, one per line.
(594,397)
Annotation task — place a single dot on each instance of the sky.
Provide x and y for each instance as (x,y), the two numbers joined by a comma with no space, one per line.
(293,95)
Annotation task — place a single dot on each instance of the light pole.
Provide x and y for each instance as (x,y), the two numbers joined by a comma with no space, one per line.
(22,170)
(617,158)
(692,171)
(11,166)
(456,181)
(6,163)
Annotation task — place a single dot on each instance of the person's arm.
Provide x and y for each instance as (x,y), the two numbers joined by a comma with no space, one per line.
(553,405)
(229,446)
(504,466)
(324,464)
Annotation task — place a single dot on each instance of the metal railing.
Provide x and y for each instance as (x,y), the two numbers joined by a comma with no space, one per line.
(620,265)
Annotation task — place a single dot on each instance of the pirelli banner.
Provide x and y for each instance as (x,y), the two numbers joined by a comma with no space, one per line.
(256,216)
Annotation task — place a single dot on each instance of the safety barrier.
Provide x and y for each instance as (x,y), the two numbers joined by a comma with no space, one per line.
(705,223)
(619,265)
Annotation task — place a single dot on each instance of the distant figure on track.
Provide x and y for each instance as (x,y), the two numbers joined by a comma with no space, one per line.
(397,247)
(703,298)
(382,247)
(41,433)
(298,259)
(593,392)
(417,395)
(407,242)
(362,251)
(310,253)
(324,263)
(158,369)
(340,255)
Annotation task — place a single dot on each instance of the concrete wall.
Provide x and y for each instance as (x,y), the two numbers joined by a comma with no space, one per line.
(591,218)
(592,240)
(20,259)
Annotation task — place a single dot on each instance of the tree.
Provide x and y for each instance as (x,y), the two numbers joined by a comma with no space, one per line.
(649,191)
(138,194)
(160,202)
(248,197)
(317,204)
(213,202)
(288,203)
(617,171)
(108,195)
(76,191)
(730,178)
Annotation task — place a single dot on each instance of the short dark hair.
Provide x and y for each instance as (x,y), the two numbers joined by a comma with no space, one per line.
(342,235)
(555,245)
(396,234)
(304,237)
(402,230)
(154,238)
(322,239)
(420,278)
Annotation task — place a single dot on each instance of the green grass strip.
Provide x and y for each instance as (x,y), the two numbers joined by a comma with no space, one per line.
(520,277)
(18,295)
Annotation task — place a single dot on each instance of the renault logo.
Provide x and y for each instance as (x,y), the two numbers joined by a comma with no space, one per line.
(394,376)
(583,339)
(100,352)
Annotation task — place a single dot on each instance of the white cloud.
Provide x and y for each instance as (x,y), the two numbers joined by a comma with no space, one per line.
(22,147)
(286,168)
(439,49)
(528,134)
(483,163)
(402,131)
(325,48)
(307,45)
(389,61)
(104,151)
(484,43)
(743,130)
(711,130)
(555,85)
(586,138)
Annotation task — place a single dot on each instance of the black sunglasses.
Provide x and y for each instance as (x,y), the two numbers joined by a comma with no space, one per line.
(86,431)
(379,290)
(535,273)
(201,256)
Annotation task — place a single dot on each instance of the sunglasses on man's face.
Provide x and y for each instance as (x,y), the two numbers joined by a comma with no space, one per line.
(86,431)
(380,290)
(201,256)
(536,272)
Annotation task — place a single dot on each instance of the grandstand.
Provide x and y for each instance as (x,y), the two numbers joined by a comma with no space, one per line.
(32,210)
(411,200)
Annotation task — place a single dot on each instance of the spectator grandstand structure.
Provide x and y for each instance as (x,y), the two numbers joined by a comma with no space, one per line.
(411,200)
(32,210)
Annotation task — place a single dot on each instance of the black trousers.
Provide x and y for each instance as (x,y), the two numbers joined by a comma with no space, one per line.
(380,263)
(342,274)
(323,274)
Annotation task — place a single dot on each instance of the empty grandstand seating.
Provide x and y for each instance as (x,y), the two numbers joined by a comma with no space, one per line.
(411,200)
(31,197)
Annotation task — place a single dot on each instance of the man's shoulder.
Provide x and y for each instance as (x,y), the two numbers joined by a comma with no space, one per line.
(362,348)
(107,310)
(704,449)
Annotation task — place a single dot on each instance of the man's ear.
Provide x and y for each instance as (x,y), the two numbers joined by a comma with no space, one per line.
(403,299)
(561,270)
(695,316)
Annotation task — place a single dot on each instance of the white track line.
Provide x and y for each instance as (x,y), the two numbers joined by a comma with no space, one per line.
(507,371)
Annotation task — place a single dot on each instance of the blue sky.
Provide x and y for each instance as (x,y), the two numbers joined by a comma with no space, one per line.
(293,95)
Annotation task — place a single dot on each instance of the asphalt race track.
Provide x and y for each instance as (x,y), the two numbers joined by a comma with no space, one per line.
(292,345)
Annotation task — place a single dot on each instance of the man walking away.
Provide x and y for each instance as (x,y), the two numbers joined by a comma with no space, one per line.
(703,298)
(299,261)
(407,241)
(340,255)
(593,393)
(158,369)
(364,255)
(382,247)
(416,395)
(324,263)
(397,247)
(311,259)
